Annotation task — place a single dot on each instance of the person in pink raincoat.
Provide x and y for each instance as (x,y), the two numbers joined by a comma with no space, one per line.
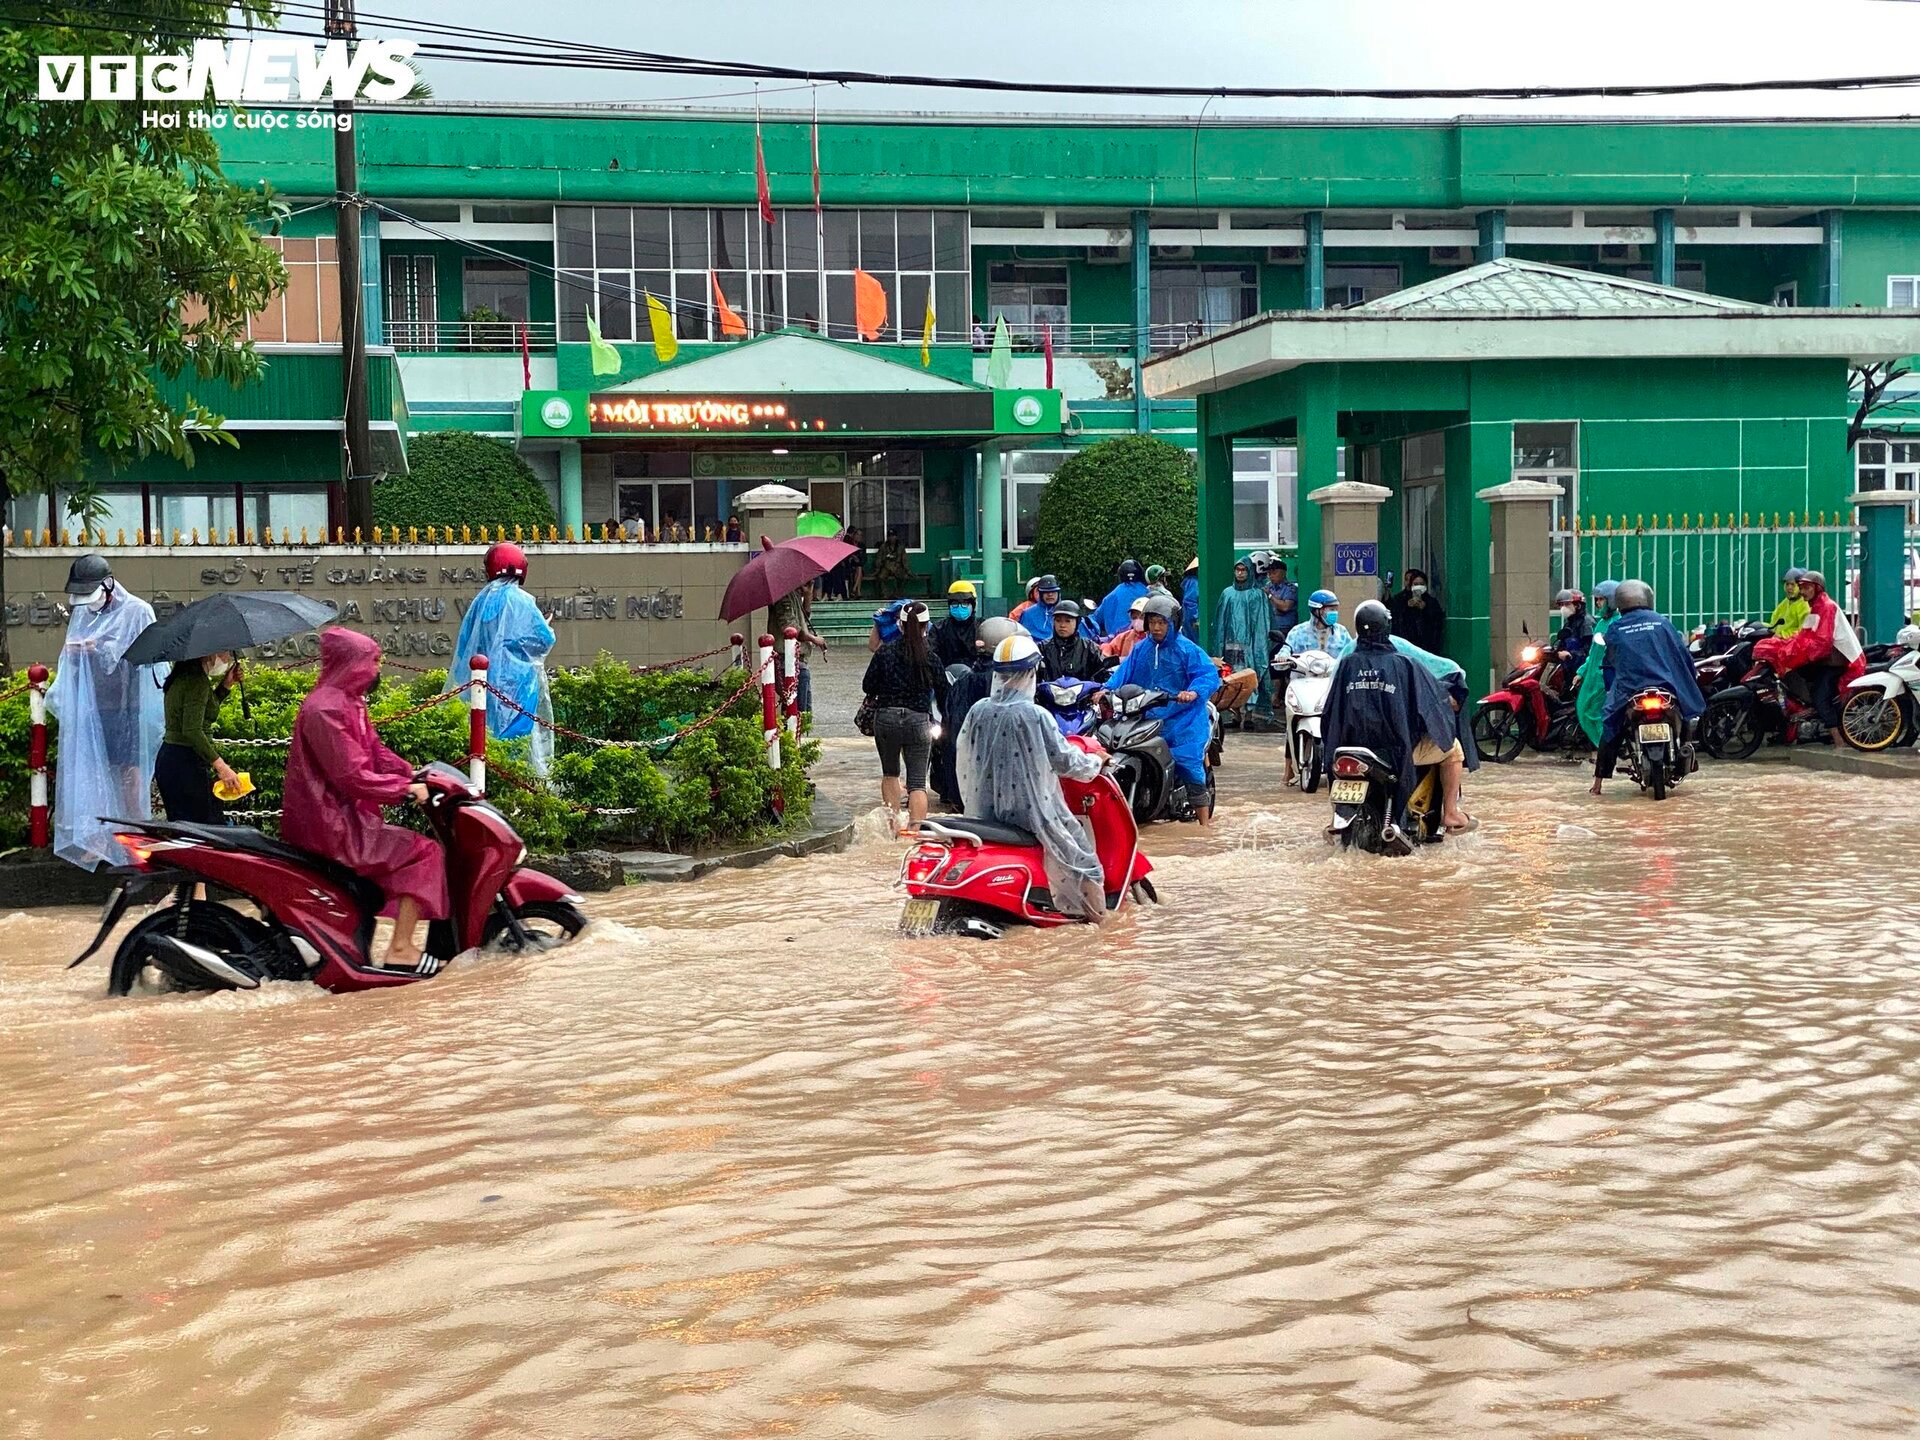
(338,777)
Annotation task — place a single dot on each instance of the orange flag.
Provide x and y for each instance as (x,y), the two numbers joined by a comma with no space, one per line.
(869,306)
(730,321)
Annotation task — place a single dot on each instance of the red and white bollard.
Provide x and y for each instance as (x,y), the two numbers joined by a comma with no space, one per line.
(477,723)
(42,830)
(792,656)
(769,703)
(739,650)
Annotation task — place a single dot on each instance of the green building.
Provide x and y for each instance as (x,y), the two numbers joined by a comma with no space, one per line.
(1102,243)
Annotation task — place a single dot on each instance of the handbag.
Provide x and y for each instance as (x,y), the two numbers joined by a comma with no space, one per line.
(863,717)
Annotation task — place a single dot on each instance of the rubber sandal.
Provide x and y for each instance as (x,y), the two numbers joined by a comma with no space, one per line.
(1466,829)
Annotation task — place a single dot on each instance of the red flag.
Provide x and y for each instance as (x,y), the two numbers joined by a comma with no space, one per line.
(1046,348)
(526,360)
(816,149)
(760,173)
(730,321)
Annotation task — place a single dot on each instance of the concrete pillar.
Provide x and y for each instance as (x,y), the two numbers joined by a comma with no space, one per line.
(1663,247)
(1883,582)
(1827,282)
(1141,254)
(772,511)
(1316,257)
(1493,235)
(1214,532)
(572,509)
(1319,445)
(1517,574)
(993,532)
(1350,520)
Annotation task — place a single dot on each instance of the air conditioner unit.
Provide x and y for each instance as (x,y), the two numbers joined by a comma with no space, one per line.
(1619,254)
(1449,254)
(1106,254)
(1173,252)
(1286,254)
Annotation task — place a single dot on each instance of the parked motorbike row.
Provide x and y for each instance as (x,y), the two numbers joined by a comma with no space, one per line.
(1750,705)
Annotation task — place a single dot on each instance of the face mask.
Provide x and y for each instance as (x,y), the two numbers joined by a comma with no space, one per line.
(1139,625)
(1332,617)
(92,600)
(1562,612)
(1416,590)
(960,612)
(219,668)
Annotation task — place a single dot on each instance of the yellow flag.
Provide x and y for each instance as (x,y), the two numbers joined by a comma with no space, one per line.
(926,331)
(606,359)
(660,321)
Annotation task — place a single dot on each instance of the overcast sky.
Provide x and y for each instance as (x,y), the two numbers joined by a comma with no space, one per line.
(1447,43)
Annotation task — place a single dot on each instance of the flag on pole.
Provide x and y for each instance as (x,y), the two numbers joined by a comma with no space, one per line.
(1000,358)
(816,149)
(660,322)
(926,331)
(760,168)
(730,321)
(1046,348)
(526,359)
(606,359)
(869,306)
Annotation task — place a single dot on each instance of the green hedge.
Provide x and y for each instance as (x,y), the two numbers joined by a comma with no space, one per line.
(1128,498)
(708,788)
(458,478)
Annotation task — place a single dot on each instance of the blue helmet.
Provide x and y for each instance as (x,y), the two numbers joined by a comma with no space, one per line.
(1320,598)
(1604,590)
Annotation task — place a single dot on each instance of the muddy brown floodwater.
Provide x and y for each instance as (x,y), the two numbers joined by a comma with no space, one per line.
(1597,1123)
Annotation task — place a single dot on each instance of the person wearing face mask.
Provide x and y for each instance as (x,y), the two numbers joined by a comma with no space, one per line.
(952,638)
(1590,701)
(1121,645)
(110,716)
(1417,615)
(1037,618)
(1322,629)
(189,762)
(339,776)
(1575,634)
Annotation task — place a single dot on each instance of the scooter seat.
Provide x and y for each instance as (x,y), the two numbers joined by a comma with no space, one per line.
(365,893)
(990,832)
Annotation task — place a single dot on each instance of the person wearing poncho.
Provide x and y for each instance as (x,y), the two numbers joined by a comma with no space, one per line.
(1110,615)
(1240,627)
(504,624)
(1590,701)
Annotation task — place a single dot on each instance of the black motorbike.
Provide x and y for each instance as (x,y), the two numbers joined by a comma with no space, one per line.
(1142,760)
(1657,749)
(1363,789)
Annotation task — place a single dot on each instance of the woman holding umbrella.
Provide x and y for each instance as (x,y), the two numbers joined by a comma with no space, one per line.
(188,761)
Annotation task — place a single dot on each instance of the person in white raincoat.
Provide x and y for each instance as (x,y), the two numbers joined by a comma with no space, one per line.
(111,717)
(1010,758)
(504,624)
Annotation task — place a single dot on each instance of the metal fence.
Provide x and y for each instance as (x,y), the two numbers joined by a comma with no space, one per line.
(1707,568)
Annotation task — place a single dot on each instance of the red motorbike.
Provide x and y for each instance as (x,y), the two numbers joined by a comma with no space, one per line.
(316,917)
(1529,708)
(974,877)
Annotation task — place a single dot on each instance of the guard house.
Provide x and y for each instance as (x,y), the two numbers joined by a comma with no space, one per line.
(889,446)
(1625,396)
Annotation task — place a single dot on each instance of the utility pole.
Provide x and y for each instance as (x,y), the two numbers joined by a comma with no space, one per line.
(358,436)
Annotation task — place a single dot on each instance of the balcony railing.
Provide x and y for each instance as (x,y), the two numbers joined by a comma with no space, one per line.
(468,336)
(1108,339)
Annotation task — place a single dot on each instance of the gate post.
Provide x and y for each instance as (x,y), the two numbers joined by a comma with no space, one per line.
(477,723)
(1517,569)
(1349,518)
(1883,563)
(40,826)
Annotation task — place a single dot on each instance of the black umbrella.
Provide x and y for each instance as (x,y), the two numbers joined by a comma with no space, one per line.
(235,621)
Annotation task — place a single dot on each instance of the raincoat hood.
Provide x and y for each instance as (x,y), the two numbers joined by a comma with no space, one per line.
(349,661)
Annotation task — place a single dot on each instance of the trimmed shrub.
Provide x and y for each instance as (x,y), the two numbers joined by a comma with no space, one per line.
(458,478)
(1130,497)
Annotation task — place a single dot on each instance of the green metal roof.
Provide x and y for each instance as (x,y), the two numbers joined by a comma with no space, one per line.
(792,361)
(1530,287)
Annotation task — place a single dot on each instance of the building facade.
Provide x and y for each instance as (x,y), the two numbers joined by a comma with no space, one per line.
(493,231)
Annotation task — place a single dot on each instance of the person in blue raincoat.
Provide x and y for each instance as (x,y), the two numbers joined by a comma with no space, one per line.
(504,624)
(1643,652)
(1037,618)
(1190,602)
(1167,660)
(1110,615)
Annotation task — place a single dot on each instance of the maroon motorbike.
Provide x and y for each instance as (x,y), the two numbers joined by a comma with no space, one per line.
(315,917)
(1533,706)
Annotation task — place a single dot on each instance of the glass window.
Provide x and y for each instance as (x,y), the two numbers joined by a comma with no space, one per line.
(431,211)
(729,240)
(511,215)
(412,309)
(1188,301)
(843,239)
(616,304)
(1687,275)
(913,306)
(651,246)
(949,240)
(1253,518)
(574,296)
(691,302)
(840,306)
(497,285)
(28,513)
(1348,285)
(1029,296)
(1543,447)
(573,237)
(209,512)
(288,512)
(916,240)
(1026,475)
(612,238)
(117,510)
(1903,291)
(690,240)
(803,240)
(1786,296)
(878,253)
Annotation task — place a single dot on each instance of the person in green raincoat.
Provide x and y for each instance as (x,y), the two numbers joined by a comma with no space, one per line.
(1591,703)
(1240,628)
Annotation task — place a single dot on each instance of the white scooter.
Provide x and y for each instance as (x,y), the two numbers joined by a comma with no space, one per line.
(1882,708)
(1307,690)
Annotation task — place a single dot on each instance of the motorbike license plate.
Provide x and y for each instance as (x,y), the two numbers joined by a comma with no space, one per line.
(1650,734)
(918,917)
(1349,792)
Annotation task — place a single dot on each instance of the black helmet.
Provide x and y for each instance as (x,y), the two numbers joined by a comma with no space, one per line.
(1044,583)
(88,574)
(1632,595)
(1165,606)
(1371,621)
(1130,570)
(1069,608)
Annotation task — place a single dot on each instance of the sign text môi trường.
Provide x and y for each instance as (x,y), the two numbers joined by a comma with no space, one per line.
(613,413)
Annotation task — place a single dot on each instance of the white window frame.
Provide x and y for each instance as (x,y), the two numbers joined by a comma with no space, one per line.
(1347,299)
(853,481)
(1912,284)
(996,307)
(1889,462)
(1564,559)
(1282,478)
(1011,480)
(1786,295)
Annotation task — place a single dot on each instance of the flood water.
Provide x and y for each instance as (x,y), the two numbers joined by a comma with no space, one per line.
(1596,1123)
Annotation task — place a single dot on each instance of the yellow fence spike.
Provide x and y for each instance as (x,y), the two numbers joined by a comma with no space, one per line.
(28,539)
(46,538)
(553,534)
(516,532)
(376,534)
(120,537)
(356,535)
(193,536)
(570,534)
(413,534)
(249,535)
(303,535)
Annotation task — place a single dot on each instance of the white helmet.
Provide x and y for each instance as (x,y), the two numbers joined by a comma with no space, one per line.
(1909,637)
(1015,654)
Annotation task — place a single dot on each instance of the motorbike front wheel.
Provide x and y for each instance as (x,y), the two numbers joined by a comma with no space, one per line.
(1731,731)
(1871,720)
(547,923)
(1307,764)
(1498,732)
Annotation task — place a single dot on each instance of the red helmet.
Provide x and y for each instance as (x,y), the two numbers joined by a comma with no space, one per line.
(506,559)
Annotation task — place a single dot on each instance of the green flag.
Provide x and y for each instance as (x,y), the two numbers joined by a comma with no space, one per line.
(1000,358)
(606,359)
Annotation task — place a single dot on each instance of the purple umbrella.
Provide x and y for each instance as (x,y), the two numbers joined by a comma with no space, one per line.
(779,570)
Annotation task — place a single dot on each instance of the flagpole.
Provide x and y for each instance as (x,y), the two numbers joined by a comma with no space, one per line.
(753,308)
(819,220)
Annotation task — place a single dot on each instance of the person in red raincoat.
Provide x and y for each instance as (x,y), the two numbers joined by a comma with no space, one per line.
(1825,648)
(338,777)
